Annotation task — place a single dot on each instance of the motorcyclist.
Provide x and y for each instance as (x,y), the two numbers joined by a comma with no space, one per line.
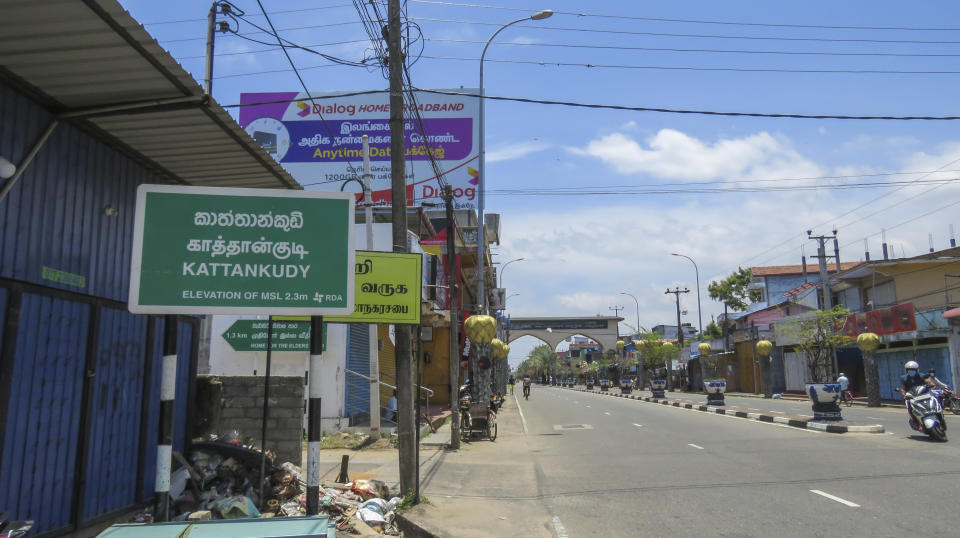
(844,383)
(933,381)
(526,387)
(908,381)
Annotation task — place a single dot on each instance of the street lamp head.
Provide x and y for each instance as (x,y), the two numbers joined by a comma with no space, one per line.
(540,15)
(674,254)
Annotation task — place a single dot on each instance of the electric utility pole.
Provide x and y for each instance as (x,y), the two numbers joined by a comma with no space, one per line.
(824,278)
(616,311)
(676,292)
(822,258)
(406,421)
(454,298)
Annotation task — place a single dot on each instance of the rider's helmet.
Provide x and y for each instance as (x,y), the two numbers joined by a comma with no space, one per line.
(932,372)
(911,365)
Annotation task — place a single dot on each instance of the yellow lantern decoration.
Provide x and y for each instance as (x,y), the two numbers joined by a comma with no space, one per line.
(704,348)
(667,347)
(480,329)
(620,345)
(498,349)
(868,342)
(764,348)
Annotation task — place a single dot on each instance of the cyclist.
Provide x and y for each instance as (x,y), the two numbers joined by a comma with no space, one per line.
(526,387)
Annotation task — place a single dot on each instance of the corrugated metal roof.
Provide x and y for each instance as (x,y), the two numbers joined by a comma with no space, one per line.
(76,56)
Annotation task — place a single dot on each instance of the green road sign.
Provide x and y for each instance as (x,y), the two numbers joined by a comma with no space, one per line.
(388,289)
(251,335)
(202,250)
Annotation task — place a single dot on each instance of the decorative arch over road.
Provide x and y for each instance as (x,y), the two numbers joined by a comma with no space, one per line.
(601,329)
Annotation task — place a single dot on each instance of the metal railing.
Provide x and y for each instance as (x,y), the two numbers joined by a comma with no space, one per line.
(429,392)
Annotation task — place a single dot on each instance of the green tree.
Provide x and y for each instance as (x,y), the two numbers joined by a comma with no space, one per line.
(733,290)
(712,332)
(816,335)
(653,354)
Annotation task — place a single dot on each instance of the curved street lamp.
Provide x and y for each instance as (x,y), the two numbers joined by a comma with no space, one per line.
(697,272)
(504,268)
(482,179)
(638,308)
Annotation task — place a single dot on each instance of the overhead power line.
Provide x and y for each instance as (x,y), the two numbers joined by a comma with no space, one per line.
(703,36)
(720,69)
(698,50)
(693,21)
(279,12)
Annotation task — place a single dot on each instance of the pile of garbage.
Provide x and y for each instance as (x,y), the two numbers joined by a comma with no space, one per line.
(222,480)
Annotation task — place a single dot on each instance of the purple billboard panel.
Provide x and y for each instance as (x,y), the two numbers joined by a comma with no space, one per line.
(319,140)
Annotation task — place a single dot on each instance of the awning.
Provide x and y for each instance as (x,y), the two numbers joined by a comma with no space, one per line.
(90,63)
(952,313)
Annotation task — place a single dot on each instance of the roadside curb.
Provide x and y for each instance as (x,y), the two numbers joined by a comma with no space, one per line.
(413,530)
(779,418)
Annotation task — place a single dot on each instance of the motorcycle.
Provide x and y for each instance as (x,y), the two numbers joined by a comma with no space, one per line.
(949,401)
(927,413)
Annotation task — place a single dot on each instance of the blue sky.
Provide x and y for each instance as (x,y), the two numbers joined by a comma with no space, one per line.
(582,249)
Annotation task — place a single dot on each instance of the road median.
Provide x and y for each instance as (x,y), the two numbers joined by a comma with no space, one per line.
(785,419)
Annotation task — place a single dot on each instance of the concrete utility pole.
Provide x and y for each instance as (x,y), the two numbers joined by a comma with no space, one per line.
(454,321)
(676,292)
(824,278)
(372,343)
(822,258)
(616,311)
(406,422)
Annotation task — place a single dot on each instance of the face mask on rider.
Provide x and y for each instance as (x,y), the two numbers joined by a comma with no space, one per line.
(911,372)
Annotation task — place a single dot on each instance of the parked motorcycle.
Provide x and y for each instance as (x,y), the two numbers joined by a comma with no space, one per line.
(950,401)
(927,412)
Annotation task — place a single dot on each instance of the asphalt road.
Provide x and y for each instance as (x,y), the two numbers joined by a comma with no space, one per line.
(617,467)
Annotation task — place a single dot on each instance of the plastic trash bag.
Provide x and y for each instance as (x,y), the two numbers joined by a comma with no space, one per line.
(237,507)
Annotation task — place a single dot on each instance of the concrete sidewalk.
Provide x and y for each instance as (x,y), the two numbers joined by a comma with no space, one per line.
(473,492)
(787,419)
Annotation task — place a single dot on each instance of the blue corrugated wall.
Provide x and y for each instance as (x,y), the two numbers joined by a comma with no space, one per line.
(68,261)
(42,430)
(55,216)
(116,399)
(891,364)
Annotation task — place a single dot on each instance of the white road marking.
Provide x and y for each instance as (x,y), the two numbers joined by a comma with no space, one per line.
(523,420)
(695,446)
(873,418)
(638,425)
(588,406)
(606,412)
(558,528)
(835,498)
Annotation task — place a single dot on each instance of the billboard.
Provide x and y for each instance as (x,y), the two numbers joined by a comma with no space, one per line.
(319,141)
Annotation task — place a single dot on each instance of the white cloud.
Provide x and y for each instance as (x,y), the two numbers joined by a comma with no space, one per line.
(515,151)
(671,154)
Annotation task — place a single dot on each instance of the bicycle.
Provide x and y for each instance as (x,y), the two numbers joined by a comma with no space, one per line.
(846,397)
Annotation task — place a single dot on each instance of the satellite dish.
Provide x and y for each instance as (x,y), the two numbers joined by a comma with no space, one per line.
(549,330)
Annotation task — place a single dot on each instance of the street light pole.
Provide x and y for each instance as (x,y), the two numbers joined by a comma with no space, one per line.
(697,272)
(504,268)
(482,179)
(638,308)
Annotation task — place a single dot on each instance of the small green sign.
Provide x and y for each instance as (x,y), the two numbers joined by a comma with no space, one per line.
(201,250)
(251,335)
(388,289)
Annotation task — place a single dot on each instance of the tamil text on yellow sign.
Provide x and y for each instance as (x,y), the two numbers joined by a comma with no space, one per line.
(387,289)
